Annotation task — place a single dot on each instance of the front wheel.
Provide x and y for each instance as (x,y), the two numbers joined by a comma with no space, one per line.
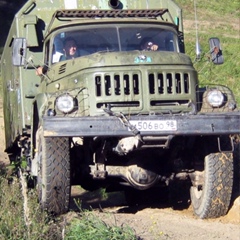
(212,198)
(53,173)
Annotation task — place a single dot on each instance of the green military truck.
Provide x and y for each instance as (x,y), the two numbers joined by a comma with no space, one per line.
(116,115)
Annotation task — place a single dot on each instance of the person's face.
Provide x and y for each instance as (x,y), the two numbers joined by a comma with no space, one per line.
(70,48)
(147,46)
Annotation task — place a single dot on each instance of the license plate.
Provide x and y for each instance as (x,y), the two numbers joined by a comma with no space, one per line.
(155,125)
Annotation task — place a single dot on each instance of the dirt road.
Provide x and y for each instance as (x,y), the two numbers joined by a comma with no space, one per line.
(158,221)
(154,221)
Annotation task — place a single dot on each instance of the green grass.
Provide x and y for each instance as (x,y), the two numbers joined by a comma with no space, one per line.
(12,216)
(88,227)
(22,219)
(215,19)
(211,8)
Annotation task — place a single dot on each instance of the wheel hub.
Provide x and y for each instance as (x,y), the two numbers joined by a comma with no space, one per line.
(141,178)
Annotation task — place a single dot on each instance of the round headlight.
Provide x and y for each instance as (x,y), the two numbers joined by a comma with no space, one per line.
(65,103)
(215,98)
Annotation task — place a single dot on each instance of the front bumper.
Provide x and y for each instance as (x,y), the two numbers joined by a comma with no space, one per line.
(112,126)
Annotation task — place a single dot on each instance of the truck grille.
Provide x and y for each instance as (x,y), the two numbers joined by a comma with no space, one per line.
(168,83)
(165,89)
(163,86)
(117,84)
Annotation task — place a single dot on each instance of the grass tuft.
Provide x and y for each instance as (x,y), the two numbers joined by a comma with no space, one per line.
(13,223)
(22,218)
(88,227)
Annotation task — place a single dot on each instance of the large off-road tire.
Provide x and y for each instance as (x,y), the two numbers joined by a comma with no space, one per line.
(53,179)
(212,199)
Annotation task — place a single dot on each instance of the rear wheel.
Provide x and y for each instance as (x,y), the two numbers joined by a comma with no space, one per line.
(54,173)
(212,198)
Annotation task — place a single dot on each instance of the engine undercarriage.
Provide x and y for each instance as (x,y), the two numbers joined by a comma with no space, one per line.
(140,163)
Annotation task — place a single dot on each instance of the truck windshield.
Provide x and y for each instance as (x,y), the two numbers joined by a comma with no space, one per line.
(109,38)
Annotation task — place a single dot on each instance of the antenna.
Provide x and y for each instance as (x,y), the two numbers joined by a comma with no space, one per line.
(198,47)
(147,4)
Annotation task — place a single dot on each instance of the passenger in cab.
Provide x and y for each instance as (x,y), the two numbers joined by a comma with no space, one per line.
(70,49)
(148,45)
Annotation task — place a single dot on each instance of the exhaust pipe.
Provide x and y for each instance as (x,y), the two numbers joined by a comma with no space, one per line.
(114,3)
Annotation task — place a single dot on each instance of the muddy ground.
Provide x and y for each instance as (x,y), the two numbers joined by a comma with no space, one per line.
(153,220)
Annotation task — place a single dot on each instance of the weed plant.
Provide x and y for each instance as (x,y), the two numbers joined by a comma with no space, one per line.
(90,227)
(12,220)
(41,226)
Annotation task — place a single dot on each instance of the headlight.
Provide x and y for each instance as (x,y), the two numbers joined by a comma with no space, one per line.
(215,98)
(65,103)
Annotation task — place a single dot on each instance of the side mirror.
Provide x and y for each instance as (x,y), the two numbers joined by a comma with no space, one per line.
(216,51)
(19,51)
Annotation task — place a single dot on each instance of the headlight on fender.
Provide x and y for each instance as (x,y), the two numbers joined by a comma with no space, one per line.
(215,98)
(65,103)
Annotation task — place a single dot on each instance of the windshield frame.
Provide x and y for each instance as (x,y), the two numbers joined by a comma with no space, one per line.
(118,45)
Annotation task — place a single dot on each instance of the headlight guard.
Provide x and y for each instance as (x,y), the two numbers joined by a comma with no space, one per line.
(215,98)
(65,103)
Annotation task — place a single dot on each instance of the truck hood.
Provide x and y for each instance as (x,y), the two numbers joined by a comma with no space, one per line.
(110,59)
